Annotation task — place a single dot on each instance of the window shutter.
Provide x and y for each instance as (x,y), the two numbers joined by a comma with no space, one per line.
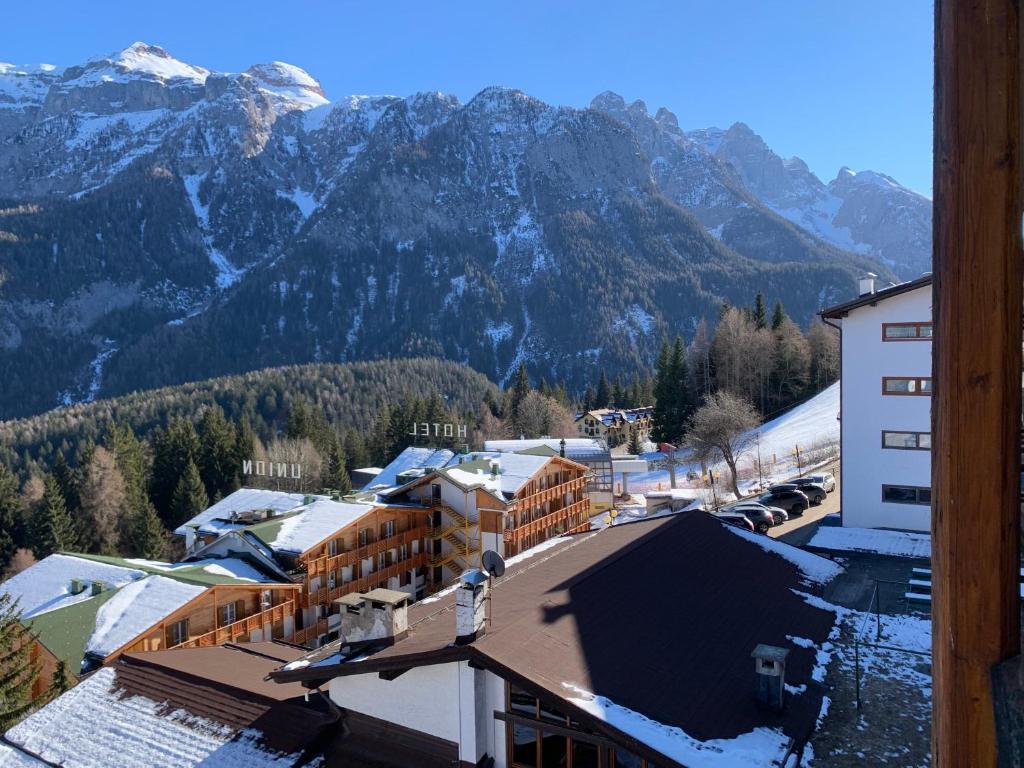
(239,610)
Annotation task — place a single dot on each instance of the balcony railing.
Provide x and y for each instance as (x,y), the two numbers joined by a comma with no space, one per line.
(324,595)
(576,514)
(326,563)
(574,487)
(241,628)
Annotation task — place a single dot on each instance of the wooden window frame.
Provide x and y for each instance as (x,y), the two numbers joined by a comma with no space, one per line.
(918,379)
(917,488)
(916,325)
(174,625)
(904,447)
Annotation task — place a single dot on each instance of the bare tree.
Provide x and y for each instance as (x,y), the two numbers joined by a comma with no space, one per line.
(284,454)
(22,560)
(540,416)
(823,341)
(723,426)
(103,498)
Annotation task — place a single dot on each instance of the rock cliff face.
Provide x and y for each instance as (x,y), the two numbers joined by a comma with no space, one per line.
(162,223)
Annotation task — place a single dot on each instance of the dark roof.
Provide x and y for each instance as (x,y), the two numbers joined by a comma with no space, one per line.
(873,298)
(659,616)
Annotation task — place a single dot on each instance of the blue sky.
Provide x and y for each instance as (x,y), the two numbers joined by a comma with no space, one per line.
(837,83)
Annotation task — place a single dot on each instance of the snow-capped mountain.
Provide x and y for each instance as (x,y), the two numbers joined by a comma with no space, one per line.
(866,212)
(160,222)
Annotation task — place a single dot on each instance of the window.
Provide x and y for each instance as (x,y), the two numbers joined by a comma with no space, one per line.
(906,494)
(332,547)
(900,385)
(906,331)
(179,632)
(387,530)
(364,537)
(227,614)
(381,560)
(907,441)
(403,551)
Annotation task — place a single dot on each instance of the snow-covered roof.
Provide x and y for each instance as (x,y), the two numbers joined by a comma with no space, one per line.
(514,471)
(576,448)
(310,525)
(135,608)
(409,459)
(872,540)
(243,500)
(814,568)
(46,586)
(100,723)
(228,568)
(15,758)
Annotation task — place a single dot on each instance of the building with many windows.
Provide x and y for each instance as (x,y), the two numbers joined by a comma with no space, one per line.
(885,404)
(615,425)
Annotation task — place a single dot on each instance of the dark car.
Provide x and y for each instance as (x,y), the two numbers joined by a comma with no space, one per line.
(791,499)
(815,492)
(737,519)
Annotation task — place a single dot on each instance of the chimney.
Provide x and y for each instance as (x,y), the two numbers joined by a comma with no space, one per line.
(77,586)
(97,587)
(770,668)
(380,614)
(470,599)
(495,467)
(866,284)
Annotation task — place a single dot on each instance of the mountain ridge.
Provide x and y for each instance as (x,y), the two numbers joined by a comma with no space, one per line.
(219,223)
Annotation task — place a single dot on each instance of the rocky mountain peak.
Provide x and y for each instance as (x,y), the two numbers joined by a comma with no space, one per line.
(289,83)
(608,101)
(666,118)
(141,60)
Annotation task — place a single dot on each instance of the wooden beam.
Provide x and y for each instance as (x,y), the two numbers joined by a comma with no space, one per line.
(976,366)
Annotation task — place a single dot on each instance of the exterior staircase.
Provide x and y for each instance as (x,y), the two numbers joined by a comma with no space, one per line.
(454,532)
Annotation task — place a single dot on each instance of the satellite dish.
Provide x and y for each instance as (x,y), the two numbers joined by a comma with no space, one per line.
(493,563)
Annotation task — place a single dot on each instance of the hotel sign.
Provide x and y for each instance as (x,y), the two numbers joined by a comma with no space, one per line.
(423,429)
(277,469)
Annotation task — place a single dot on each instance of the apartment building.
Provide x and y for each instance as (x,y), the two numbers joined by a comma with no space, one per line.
(614,425)
(505,502)
(87,610)
(885,402)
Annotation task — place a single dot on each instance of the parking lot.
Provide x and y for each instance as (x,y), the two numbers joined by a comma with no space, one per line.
(798,530)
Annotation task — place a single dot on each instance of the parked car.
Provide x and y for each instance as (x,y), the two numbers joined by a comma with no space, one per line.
(737,519)
(760,516)
(814,492)
(779,515)
(825,479)
(792,500)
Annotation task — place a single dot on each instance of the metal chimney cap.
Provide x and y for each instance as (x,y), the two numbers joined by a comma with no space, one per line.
(473,578)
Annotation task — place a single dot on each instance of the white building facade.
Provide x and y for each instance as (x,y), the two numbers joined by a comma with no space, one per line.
(886,369)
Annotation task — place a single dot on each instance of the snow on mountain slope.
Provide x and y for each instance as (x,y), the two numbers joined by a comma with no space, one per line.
(137,60)
(22,87)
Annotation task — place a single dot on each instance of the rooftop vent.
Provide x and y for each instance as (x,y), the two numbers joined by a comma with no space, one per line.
(77,587)
(866,284)
(495,467)
(98,586)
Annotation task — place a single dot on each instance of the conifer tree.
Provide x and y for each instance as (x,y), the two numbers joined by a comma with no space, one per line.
(381,447)
(54,529)
(778,316)
(217,447)
(60,682)
(335,475)
(521,388)
(67,480)
(173,449)
(189,497)
(603,397)
(760,313)
(682,402)
(9,517)
(663,429)
(634,441)
(355,450)
(589,399)
(144,535)
(18,672)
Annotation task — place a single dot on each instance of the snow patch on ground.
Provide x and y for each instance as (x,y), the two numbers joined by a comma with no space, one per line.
(227,273)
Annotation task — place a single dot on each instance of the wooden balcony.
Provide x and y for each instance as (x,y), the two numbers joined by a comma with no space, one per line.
(576,515)
(242,627)
(327,563)
(325,595)
(554,493)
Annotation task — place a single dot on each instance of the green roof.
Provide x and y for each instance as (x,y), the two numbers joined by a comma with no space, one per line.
(184,573)
(65,631)
(269,530)
(540,450)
